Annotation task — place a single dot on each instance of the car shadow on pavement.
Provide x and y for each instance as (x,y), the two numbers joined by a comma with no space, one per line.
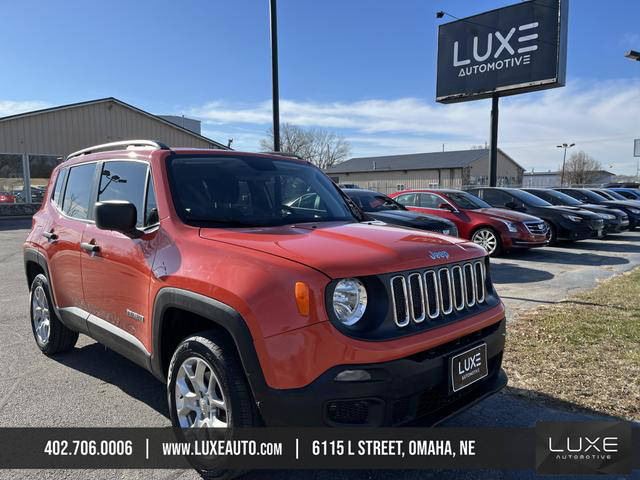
(17,224)
(623,238)
(605,246)
(556,255)
(110,367)
(510,272)
(509,408)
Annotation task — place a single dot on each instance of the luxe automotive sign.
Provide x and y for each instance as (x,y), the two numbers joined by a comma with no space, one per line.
(515,49)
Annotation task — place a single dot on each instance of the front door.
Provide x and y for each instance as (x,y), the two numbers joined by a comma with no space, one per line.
(116,268)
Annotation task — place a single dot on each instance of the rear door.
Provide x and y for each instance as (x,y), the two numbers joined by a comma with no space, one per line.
(116,269)
(70,215)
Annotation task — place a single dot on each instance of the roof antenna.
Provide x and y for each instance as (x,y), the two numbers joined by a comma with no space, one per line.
(229,142)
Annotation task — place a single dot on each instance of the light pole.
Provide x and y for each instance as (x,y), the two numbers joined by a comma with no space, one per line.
(564,159)
(274,75)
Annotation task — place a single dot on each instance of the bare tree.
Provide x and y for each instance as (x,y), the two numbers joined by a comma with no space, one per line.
(321,147)
(581,169)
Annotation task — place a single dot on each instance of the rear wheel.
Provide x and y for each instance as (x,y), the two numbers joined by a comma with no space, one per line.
(51,335)
(488,239)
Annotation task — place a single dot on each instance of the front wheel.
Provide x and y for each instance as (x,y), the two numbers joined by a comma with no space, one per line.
(489,240)
(552,234)
(207,386)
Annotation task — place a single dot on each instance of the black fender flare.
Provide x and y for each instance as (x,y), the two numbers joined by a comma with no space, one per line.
(218,313)
(33,255)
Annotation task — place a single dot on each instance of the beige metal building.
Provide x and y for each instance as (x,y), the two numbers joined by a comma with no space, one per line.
(32,143)
(455,169)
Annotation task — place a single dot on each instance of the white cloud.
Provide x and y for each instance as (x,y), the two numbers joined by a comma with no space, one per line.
(10,107)
(601,118)
(630,39)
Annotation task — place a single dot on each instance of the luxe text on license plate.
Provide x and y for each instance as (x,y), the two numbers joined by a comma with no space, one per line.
(469,367)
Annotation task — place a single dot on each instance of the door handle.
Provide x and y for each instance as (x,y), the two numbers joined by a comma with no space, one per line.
(90,247)
(50,236)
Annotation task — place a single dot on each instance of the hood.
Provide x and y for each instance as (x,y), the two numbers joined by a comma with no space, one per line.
(601,209)
(573,210)
(413,219)
(509,215)
(354,249)
(622,203)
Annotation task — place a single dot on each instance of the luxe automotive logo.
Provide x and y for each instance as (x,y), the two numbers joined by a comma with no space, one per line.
(583,447)
(489,61)
(439,254)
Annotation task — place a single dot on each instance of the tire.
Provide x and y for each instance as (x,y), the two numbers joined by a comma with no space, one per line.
(553,234)
(217,355)
(50,334)
(488,239)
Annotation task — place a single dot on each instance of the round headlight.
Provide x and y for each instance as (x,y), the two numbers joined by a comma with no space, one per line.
(349,300)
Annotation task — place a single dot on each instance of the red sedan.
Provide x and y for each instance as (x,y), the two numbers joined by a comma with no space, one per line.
(497,230)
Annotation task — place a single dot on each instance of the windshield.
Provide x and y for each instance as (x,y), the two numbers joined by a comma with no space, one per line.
(374,202)
(466,201)
(529,199)
(563,198)
(615,195)
(252,191)
(592,196)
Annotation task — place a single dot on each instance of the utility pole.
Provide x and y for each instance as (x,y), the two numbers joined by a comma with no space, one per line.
(274,75)
(564,159)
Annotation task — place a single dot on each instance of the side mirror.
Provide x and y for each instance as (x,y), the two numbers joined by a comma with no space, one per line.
(511,205)
(117,215)
(446,206)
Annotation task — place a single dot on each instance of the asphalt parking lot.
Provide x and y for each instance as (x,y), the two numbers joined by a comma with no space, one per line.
(95,387)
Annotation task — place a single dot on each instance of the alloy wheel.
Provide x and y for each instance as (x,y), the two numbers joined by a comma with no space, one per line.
(40,315)
(486,239)
(198,394)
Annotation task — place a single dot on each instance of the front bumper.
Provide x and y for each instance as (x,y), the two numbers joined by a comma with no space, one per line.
(616,226)
(580,231)
(400,392)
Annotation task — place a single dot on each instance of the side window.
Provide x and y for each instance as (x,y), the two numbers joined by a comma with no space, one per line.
(123,180)
(151,208)
(429,200)
(496,198)
(56,197)
(408,199)
(78,192)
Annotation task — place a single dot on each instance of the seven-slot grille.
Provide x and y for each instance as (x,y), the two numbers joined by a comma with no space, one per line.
(437,292)
(536,228)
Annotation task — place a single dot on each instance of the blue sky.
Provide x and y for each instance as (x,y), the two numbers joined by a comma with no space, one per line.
(363,68)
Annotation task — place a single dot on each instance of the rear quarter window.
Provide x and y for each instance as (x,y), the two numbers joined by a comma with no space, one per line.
(56,196)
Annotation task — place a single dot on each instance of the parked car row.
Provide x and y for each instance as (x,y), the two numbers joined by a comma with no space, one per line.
(504,219)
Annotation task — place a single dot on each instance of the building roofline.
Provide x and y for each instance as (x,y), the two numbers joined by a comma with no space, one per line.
(121,103)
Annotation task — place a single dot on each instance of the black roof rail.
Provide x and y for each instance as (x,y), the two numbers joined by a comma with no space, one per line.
(285,154)
(122,143)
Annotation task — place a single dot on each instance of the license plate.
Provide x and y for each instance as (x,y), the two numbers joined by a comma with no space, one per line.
(469,367)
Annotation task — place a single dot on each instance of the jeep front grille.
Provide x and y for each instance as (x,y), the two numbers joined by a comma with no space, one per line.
(438,292)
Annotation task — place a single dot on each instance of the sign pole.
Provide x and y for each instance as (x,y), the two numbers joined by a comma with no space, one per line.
(493,160)
(274,75)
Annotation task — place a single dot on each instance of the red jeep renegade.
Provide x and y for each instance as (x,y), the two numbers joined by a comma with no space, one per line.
(195,265)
